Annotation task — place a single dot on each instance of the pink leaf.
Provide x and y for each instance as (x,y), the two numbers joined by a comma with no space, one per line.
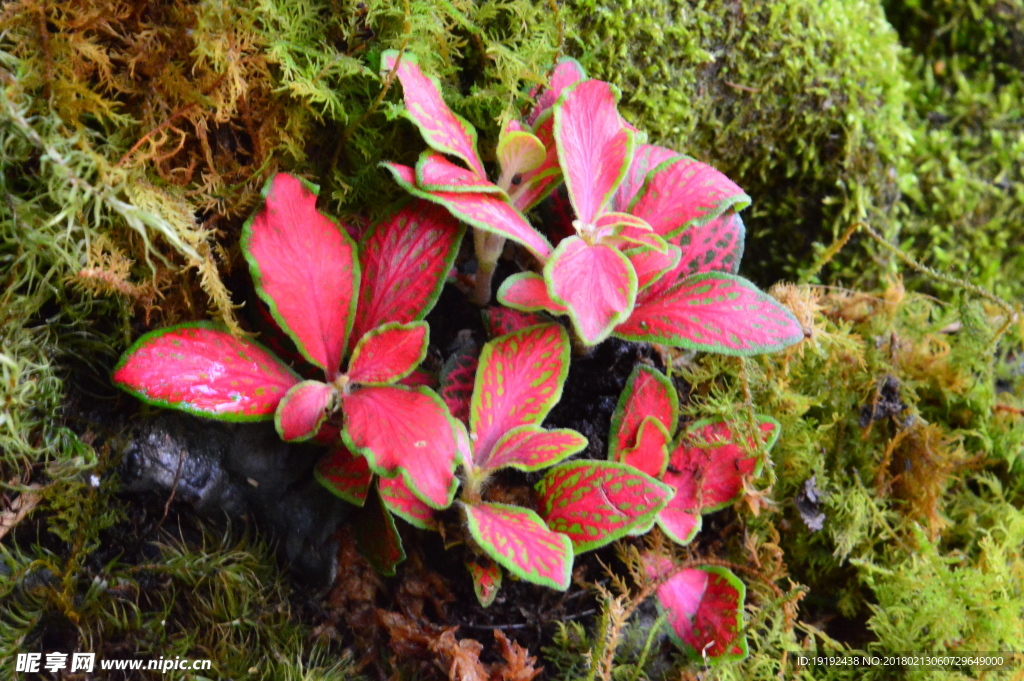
(434,172)
(646,158)
(388,353)
(596,283)
(457,379)
(304,409)
(680,525)
(715,312)
(520,542)
(518,383)
(684,192)
(526,292)
(715,246)
(442,129)
(483,211)
(305,270)
(404,431)
(531,448)
(614,224)
(597,502)
(705,609)
(648,393)
(594,146)
(486,576)
(650,453)
(377,538)
(202,369)
(651,265)
(345,475)
(537,183)
(501,320)
(400,501)
(405,261)
(567,72)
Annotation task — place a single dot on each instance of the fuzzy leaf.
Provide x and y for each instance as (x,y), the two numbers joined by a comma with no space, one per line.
(345,475)
(400,501)
(404,431)
(519,381)
(537,183)
(442,129)
(377,537)
(483,211)
(520,542)
(305,269)
(646,158)
(648,393)
(388,353)
(705,610)
(304,409)
(501,320)
(596,283)
(567,72)
(405,261)
(204,370)
(596,502)
(715,312)
(486,576)
(457,377)
(434,172)
(531,448)
(527,292)
(650,453)
(651,265)
(518,151)
(716,246)
(594,146)
(682,192)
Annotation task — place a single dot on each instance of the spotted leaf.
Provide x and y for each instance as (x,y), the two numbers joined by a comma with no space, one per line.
(388,353)
(715,312)
(518,540)
(303,410)
(204,370)
(305,269)
(596,502)
(345,475)
(715,246)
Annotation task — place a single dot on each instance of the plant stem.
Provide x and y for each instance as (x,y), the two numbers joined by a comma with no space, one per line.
(488,249)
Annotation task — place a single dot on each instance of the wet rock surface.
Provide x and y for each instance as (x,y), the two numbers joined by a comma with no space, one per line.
(241,469)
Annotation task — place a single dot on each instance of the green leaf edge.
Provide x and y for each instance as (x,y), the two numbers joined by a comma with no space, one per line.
(387,326)
(614,447)
(484,603)
(320,422)
(741,637)
(336,491)
(454,188)
(582,444)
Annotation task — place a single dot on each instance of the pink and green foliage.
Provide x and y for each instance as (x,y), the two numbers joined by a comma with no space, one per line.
(517,539)
(307,271)
(704,607)
(644,422)
(499,321)
(345,474)
(487,578)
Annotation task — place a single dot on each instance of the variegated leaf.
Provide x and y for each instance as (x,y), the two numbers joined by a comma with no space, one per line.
(651,266)
(650,453)
(434,172)
(400,501)
(527,292)
(531,448)
(715,246)
(520,542)
(345,475)
(388,353)
(303,410)
(486,576)
(645,159)
(567,72)
(648,393)
(457,378)
(501,320)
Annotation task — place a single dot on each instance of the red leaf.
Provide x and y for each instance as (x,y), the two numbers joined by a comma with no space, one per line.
(597,502)
(596,283)
(457,377)
(501,320)
(685,192)
(679,524)
(204,370)
(304,409)
(305,269)
(650,453)
(388,353)
(519,381)
(651,265)
(345,475)
(377,538)
(483,211)
(705,610)
(405,259)
(648,393)
(519,541)
(434,172)
(531,448)
(404,431)
(537,183)
(526,292)
(715,312)
(594,146)
(716,246)
(442,129)
(486,576)
(400,501)
(646,158)
(567,72)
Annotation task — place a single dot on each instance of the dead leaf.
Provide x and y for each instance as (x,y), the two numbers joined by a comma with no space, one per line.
(519,664)
(20,507)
